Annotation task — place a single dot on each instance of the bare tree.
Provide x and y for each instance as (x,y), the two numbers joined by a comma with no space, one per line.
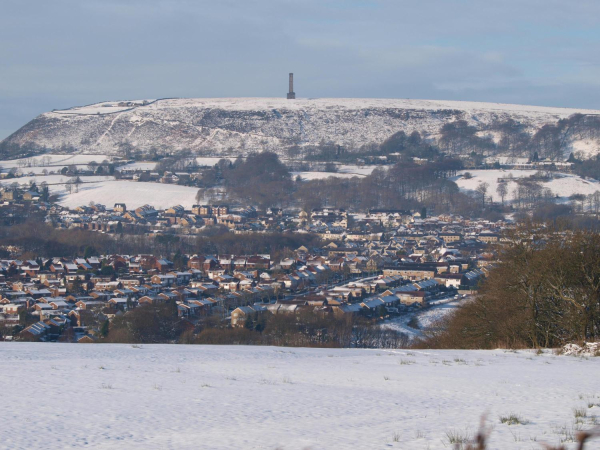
(596,201)
(482,190)
(578,198)
(77,182)
(502,191)
(199,196)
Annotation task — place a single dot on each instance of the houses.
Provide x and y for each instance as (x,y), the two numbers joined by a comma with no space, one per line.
(164,280)
(241,314)
(412,271)
(377,264)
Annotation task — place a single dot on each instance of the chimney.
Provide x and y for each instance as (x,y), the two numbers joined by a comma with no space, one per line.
(291,94)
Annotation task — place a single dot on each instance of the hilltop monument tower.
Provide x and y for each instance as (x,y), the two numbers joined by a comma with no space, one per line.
(291,95)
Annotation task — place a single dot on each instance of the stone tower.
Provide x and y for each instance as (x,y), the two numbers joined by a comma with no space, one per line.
(291,95)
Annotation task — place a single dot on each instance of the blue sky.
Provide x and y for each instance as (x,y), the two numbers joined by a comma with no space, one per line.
(61,53)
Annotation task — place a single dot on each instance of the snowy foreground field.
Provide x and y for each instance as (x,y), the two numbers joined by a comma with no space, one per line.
(159,396)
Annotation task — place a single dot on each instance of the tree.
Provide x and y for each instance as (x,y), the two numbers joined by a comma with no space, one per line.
(482,190)
(44,192)
(77,182)
(104,329)
(199,196)
(148,324)
(502,191)
(77,285)
(261,179)
(89,252)
(578,198)
(107,270)
(125,149)
(527,302)
(293,151)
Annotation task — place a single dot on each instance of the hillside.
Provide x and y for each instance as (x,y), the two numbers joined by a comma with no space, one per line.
(184,396)
(230,126)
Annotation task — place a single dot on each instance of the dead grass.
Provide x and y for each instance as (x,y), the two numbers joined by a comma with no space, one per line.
(513,419)
(406,362)
(458,438)
(462,441)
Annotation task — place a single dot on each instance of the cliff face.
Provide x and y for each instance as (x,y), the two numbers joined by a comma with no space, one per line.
(230,126)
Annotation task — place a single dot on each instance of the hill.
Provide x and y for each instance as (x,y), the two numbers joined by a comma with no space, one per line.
(229,126)
(186,396)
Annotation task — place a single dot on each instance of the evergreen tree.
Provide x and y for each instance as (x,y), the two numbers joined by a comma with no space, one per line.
(104,329)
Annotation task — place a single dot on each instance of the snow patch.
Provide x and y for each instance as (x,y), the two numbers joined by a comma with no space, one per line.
(563,184)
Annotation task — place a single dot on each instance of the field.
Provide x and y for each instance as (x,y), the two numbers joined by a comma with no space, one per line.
(132,193)
(564,185)
(160,396)
(107,191)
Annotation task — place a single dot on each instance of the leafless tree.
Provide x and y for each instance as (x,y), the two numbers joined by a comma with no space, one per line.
(199,196)
(482,190)
(502,191)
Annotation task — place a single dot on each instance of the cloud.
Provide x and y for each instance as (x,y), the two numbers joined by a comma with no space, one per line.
(68,52)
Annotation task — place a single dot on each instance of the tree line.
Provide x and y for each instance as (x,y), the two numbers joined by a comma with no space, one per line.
(152,324)
(38,239)
(544,292)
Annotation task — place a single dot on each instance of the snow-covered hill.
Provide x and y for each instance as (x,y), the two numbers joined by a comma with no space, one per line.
(230,125)
(184,396)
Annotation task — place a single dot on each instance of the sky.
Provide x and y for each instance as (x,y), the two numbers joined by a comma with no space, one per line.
(62,53)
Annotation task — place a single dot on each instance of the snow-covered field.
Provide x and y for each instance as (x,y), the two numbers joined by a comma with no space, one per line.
(160,397)
(322,175)
(358,170)
(52,179)
(344,171)
(564,184)
(108,191)
(257,104)
(101,108)
(139,165)
(48,160)
(210,161)
(587,147)
(132,193)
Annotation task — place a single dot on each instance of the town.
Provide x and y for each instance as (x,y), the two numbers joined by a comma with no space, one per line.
(263,248)
(379,265)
